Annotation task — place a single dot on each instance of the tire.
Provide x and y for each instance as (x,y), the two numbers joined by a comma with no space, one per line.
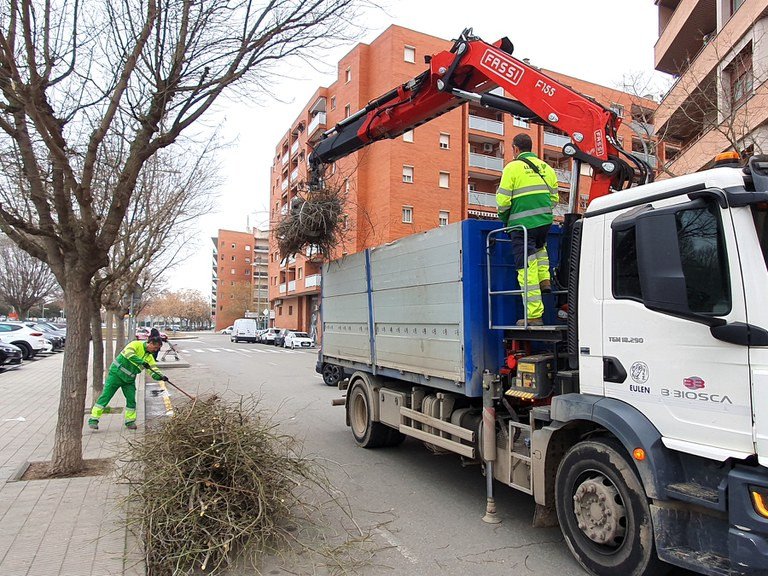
(331,374)
(367,433)
(594,477)
(26,350)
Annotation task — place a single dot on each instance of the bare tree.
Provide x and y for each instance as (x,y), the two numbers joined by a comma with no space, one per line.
(25,281)
(75,76)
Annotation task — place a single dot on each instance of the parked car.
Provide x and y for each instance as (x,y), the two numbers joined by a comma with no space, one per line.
(244,329)
(227,330)
(10,354)
(17,333)
(332,374)
(295,340)
(268,336)
(142,333)
(280,337)
(53,336)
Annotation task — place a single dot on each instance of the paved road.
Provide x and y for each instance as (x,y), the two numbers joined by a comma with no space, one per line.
(421,512)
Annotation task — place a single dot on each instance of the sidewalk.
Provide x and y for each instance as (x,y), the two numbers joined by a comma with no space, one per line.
(62,527)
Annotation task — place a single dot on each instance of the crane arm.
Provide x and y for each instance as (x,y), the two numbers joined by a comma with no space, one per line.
(467,72)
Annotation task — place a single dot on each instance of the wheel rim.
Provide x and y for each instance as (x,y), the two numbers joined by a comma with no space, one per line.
(600,512)
(330,374)
(359,413)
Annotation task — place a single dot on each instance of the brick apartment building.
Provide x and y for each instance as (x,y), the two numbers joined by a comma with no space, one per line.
(443,171)
(717,52)
(239,276)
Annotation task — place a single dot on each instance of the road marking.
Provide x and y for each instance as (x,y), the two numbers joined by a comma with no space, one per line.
(213,350)
(390,538)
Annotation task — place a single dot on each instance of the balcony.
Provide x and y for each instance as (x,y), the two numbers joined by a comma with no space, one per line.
(282,289)
(563,175)
(556,140)
(649,158)
(284,161)
(486,162)
(312,281)
(486,125)
(294,148)
(284,210)
(482,199)
(294,174)
(686,26)
(292,286)
(642,129)
(316,126)
(284,185)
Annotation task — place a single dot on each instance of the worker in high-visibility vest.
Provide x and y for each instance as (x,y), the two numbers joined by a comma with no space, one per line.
(134,358)
(525,197)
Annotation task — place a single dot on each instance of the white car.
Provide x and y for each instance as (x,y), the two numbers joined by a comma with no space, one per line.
(227,330)
(295,340)
(29,340)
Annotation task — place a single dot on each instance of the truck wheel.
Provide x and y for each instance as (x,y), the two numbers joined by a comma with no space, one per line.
(603,511)
(367,433)
(331,374)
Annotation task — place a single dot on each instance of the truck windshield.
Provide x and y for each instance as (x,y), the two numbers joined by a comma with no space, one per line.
(760,216)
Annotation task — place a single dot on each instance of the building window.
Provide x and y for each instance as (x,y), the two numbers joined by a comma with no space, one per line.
(234,258)
(348,75)
(409,54)
(247,260)
(735,5)
(333,168)
(408,214)
(347,111)
(618,108)
(445,180)
(333,102)
(247,271)
(346,185)
(408,174)
(301,273)
(443,218)
(520,122)
(742,79)
(445,141)
(346,222)
(247,248)
(234,245)
(232,271)
(408,136)
(290,310)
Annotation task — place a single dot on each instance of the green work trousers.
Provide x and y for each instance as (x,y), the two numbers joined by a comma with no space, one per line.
(114,383)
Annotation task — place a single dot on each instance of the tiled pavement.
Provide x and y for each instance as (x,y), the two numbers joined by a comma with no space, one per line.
(62,527)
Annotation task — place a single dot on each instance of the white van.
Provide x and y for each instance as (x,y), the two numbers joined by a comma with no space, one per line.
(244,329)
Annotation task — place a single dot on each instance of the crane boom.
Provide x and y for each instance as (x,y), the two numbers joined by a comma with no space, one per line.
(467,72)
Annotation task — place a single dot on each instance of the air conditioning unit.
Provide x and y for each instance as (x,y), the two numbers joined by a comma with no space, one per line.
(487,147)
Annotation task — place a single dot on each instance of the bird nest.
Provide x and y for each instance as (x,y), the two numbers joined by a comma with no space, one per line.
(314,219)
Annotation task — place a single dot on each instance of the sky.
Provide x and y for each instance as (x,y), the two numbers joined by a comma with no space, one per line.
(600,41)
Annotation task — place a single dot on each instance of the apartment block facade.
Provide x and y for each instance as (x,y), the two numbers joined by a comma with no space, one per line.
(717,52)
(239,277)
(441,172)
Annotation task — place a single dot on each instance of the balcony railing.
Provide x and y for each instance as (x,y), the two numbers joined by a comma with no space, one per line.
(284,209)
(311,281)
(487,162)
(482,199)
(318,121)
(294,147)
(563,175)
(292,286)
(557,140)
(285,159)
(642,129)
(486,125)
(284,185)
(649,158)
(294,174)
(282,289)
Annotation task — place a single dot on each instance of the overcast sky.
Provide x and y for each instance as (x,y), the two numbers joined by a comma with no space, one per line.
(596,40)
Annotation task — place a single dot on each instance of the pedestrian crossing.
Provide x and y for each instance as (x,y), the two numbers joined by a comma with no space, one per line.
(253,351)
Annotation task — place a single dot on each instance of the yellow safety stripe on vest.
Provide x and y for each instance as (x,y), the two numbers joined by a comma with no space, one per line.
(534,212)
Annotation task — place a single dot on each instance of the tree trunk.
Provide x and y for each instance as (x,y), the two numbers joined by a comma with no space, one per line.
(97,373)
(120,338)
(110,337)
(68,442)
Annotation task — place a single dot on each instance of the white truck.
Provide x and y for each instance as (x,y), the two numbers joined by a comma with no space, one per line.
(638,423)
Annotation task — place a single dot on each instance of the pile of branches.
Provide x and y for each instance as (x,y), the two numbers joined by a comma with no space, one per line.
(314,219)
(217,484)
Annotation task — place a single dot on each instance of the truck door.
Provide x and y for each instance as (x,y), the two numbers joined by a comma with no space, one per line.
(674,275)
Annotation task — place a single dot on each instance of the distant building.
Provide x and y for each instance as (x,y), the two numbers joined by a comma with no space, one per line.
(441,172)
(717,52)
(239,275)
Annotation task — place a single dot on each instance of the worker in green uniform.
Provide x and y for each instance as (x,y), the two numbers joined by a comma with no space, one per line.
(525,197)
(134,358)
